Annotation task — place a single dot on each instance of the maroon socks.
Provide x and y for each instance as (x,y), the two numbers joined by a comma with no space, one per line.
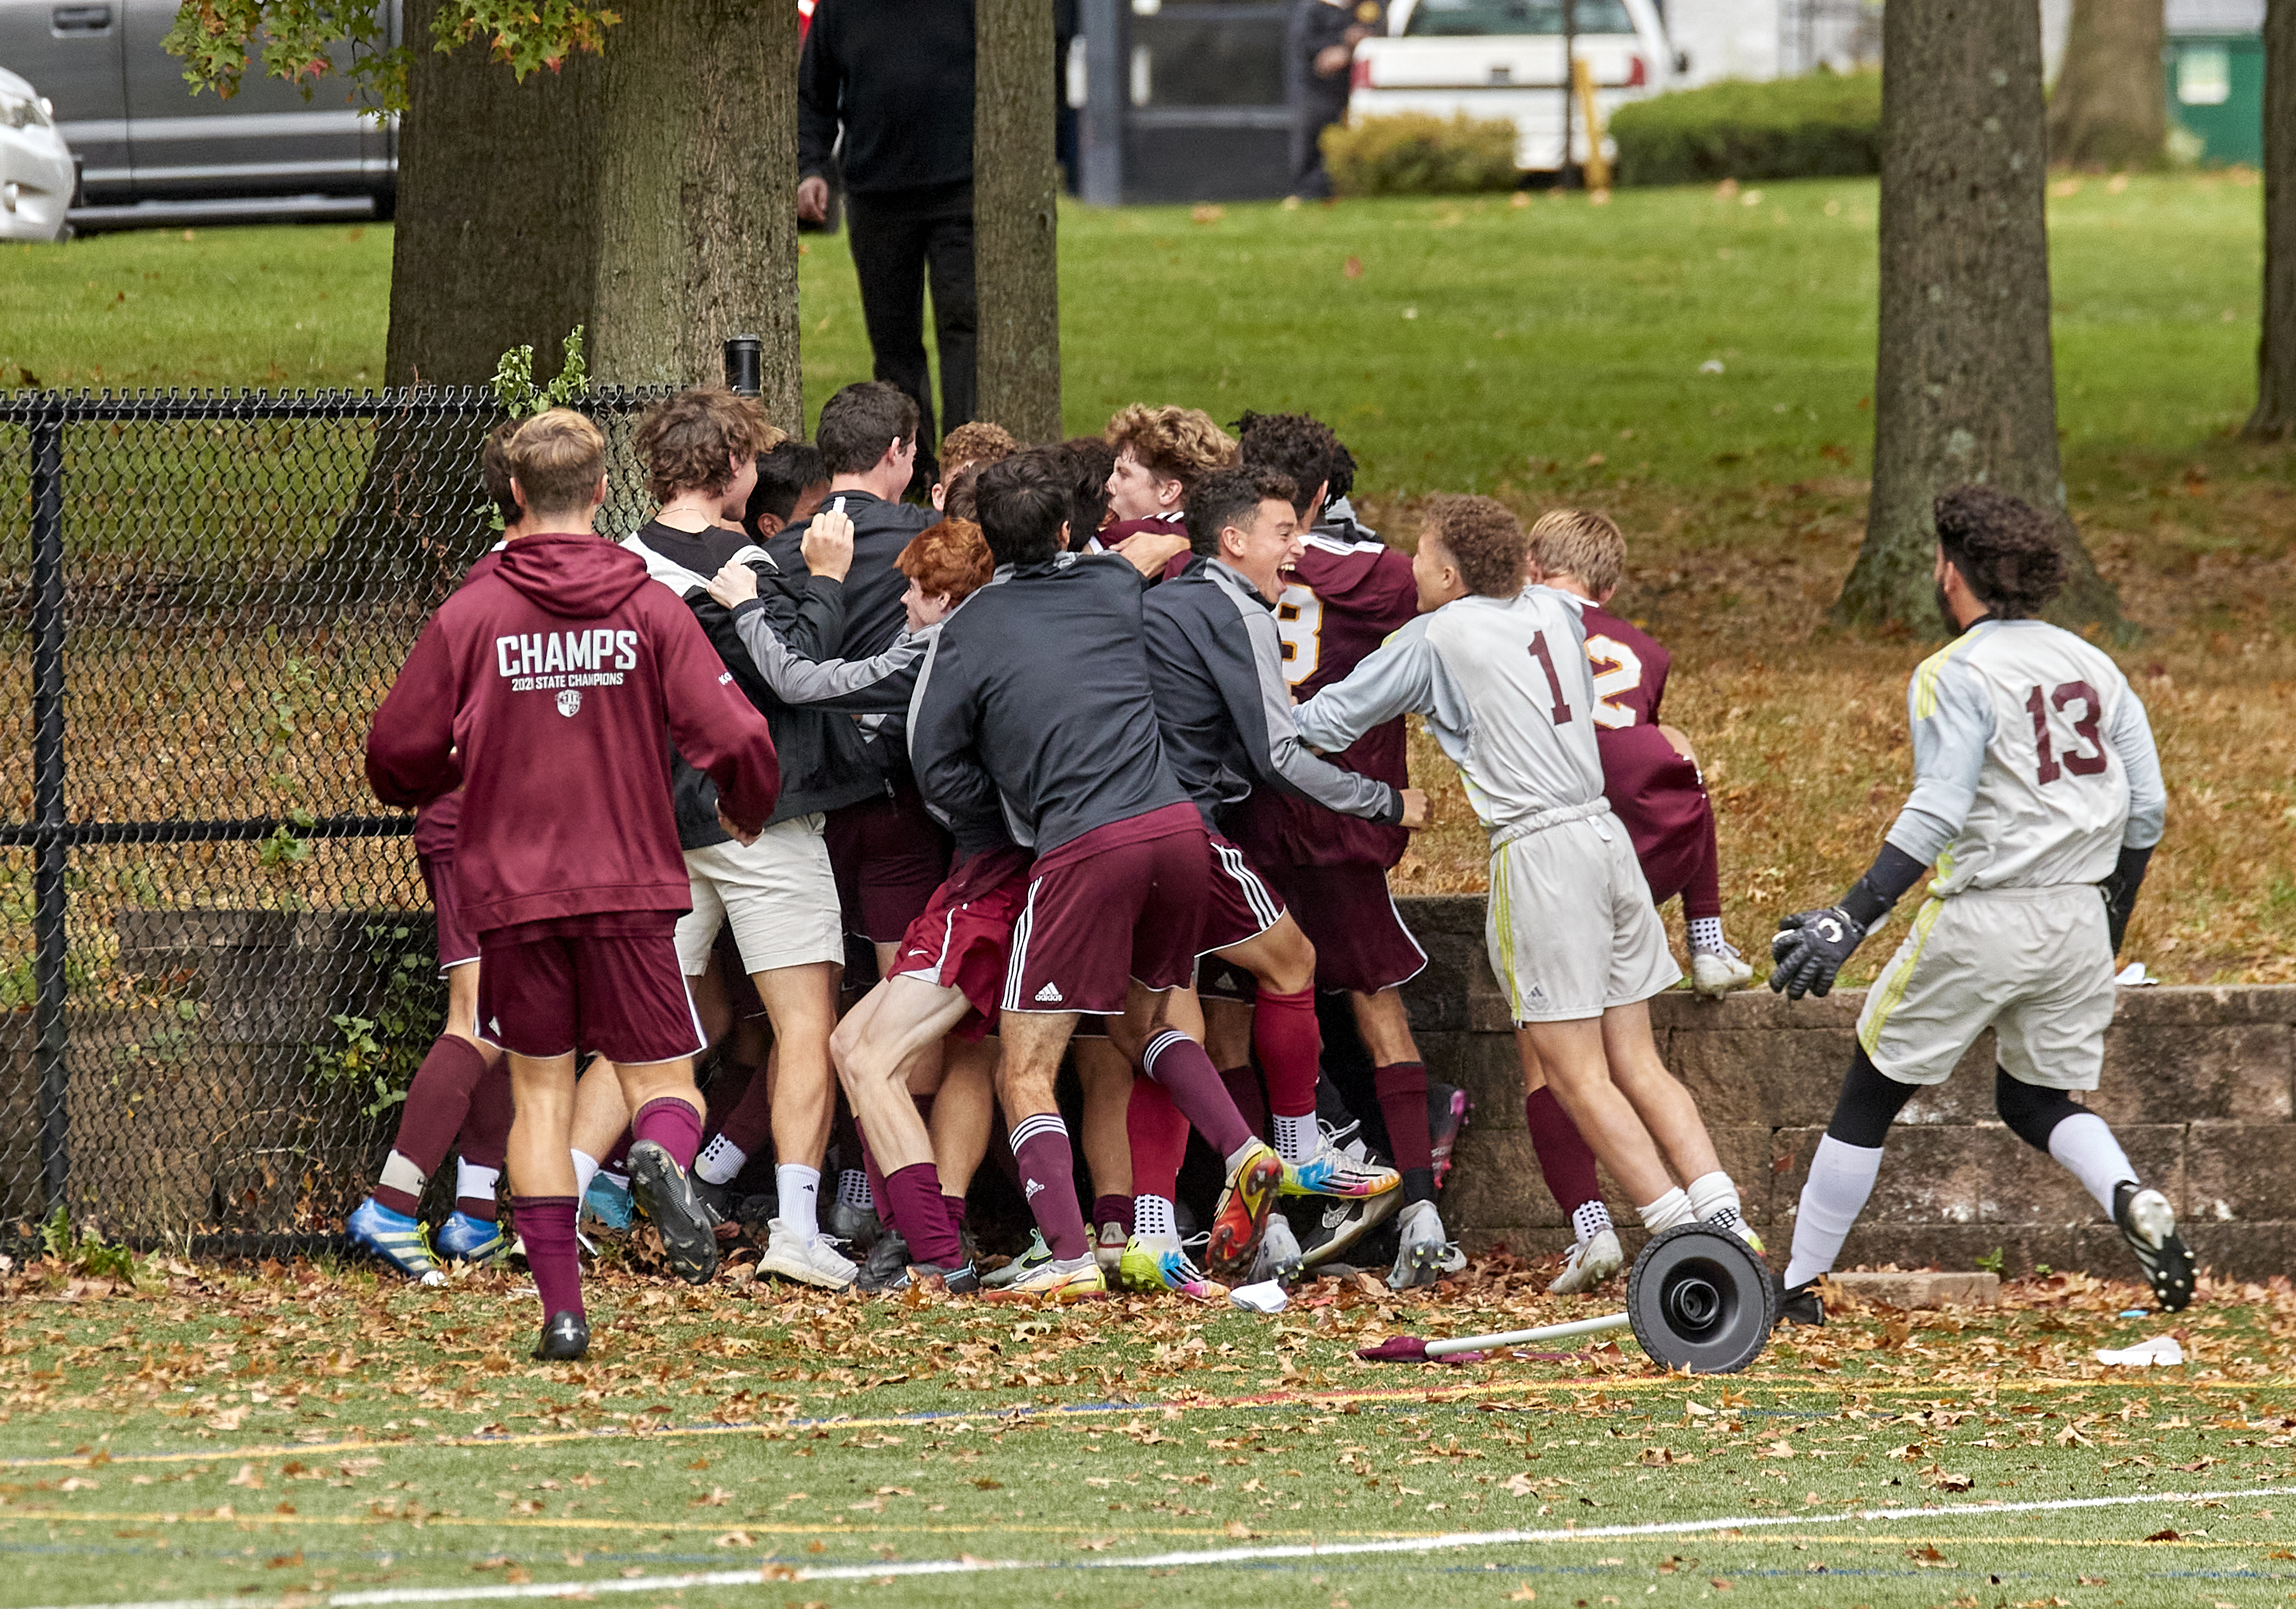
(911,1200)
(1402,1090)
(1159,1137)
(1040,1146)
(1250,1100)
(671,1124)
(1180,1064)
(1114,1209)
(1289,1044)
(1565,1158)
(437,1102)
(546,1222)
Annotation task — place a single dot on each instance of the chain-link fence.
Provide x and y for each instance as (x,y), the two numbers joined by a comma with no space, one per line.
(218,965)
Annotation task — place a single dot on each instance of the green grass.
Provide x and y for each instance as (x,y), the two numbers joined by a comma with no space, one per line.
(310,1431)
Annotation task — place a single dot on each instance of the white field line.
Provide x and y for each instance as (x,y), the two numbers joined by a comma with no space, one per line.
(772,1575)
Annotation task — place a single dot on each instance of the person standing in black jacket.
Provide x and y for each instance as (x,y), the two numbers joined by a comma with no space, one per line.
(893,80)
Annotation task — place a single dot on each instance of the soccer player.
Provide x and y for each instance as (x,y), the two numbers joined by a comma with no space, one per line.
(1035,703)
(551,689)
(792,481)
(778,893)
(2036,786)
(1160,452)
(1499,670)
(964,452)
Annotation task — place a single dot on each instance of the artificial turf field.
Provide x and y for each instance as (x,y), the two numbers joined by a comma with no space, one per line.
(310,1436)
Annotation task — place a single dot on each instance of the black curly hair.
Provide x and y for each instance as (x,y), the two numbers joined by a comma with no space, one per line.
(2006,549)
(1298,444)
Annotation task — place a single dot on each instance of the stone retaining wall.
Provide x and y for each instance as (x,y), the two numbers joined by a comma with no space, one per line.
(2197,1085)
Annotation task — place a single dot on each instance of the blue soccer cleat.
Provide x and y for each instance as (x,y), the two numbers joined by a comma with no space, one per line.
(610,1204)
(396,1238)
(463,1239)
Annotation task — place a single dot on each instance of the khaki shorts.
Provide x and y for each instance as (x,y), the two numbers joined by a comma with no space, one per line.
(1571,930)
(778,894)
(2035,965)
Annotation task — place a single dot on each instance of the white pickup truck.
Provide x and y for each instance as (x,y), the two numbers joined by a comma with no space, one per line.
(1495,58)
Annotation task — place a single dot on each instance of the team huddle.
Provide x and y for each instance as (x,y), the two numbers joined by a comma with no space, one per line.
(1102,756)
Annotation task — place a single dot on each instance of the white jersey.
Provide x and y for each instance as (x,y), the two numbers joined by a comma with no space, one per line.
(2033,762)
(1506,688)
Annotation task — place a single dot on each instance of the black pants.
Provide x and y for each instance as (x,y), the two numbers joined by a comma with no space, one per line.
(1317,109)
(899,236)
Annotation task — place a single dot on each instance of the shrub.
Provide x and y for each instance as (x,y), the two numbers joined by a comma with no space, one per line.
(1418,153)
(1819,125)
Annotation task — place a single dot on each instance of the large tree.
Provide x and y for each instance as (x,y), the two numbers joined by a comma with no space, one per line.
(1016,217)
(2109,109)
(1964,388)
(2275,419)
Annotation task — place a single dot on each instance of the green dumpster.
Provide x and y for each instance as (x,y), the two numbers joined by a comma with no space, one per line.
(2216,93)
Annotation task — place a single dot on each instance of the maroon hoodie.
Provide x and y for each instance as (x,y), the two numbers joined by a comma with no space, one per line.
(550,690)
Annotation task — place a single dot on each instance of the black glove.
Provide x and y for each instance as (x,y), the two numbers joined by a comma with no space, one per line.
(2119,892)
(1809,949)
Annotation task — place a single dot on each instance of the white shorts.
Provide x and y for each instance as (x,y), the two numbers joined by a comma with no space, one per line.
(778,893)
(2035,965)
(1570,926)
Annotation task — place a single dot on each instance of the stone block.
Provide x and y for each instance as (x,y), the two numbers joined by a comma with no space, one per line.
(2236,1171)
(2185,1072)
(1496,1187)
(2225,1250)
(1932,1174)
(1925,1291)
(1967,1094)
(2030,1188)
(1751,1009)
(1781,1078)
(1955,1246)
(2206,1006)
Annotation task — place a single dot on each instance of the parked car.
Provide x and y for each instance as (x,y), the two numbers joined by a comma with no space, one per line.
(147,144)
(35,166)
(1494,59)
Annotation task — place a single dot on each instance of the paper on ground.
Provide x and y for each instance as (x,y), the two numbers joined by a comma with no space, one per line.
(2134,976)
(1265,1297)
(2159,1349)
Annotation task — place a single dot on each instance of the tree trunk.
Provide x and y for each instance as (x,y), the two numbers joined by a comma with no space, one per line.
(2110,108)
(2275,419)
(697,225)
(1963,388)
(1016,217)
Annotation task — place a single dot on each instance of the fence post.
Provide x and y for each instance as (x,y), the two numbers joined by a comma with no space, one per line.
(49,895)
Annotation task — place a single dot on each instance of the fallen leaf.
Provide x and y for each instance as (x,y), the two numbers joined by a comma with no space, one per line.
(1522,1595)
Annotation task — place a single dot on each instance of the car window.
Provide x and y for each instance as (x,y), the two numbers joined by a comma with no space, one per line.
(1458,17)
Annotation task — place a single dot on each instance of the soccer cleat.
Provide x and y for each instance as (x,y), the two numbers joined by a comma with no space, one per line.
(1734,1220)
(564,1338)
(1587,1263)
(1446,1117)
(962,1280)
(1242,1216)
(1426,1252)
(1714,974)
(476,1241)
(609,1205)
(1336,1173)
(816,1261)
(886,1267)
(1339,1223)
(664,1193)
(1020,1267)
(857,1226)
(1108,1243)
(1801,1305)
(1279,1258)
(1159,1262)
(1058,1279)
(2149,1224)
(394,1238)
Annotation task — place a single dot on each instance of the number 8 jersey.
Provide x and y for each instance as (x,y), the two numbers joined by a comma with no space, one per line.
(2033,762)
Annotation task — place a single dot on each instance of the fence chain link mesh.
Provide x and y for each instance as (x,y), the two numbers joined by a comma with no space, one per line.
(217,971)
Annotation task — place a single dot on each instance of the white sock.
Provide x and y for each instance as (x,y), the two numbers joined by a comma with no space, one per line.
(1152,1215)
(1295,1137)
(474,1182)
(401,1174)
(1714,1198)
(1840,1177)
(585,1169)
(853,1189)
(1667,1212)
(798,1191)
(1588,1220)
(1706,934)
(720,1161)
(617,1177)
(2090,1153)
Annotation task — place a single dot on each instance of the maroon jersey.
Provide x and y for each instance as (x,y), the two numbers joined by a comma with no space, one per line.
(1175,524)
(1657,793)
(1349,592)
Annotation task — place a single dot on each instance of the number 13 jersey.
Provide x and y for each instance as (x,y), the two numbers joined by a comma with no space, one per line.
(2033,762)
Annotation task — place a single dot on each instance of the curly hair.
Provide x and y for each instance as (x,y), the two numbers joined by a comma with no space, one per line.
(494,468)
(977,443)
(1231,497)
(1484,539)
(2006,549)
(951,557)
(1581,543)
(689,442)
(1175,443)
(1298,444)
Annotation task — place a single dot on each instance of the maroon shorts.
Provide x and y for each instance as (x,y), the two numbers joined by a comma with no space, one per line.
(889,857)
(458,946)
(1124,902)
(1242,904)
(609,984)
(963,940)
(1348,914)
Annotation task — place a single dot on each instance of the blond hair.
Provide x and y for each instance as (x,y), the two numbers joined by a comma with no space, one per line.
(1176,444)
(1581,543)
(557,457)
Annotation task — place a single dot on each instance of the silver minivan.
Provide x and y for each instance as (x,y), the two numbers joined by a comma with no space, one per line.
(143,136)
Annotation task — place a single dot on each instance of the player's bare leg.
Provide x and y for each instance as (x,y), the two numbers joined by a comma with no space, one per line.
(666,1114)
(1424,1250)
(1033,1045)
(801,1003)
(963,1114)
(1567,1163)
(1105,1074)
(881,1051)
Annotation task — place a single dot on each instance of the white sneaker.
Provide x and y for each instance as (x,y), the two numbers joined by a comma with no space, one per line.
(1588,1263)
(1278,1258)
(1108,1243)
(1714,976)
(1424,1252)
(1060,1280)
(815,1261)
